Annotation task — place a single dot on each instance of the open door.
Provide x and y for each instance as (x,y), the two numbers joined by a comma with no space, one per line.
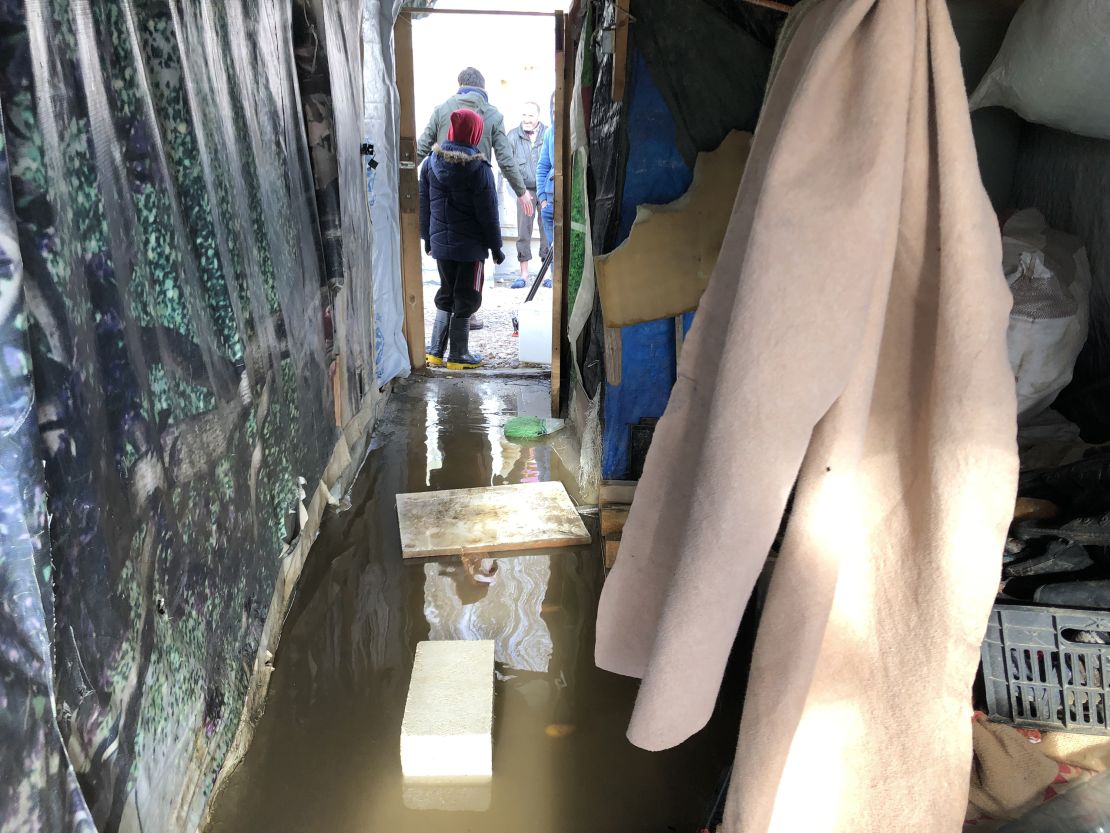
(411,267)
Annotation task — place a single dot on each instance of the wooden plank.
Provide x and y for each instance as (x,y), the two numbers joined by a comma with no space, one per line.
(613,518)
(612,548)
(614,352)
(561,243)
(620,51)
(338,368)
(491,519)
(617,492)
(408,190)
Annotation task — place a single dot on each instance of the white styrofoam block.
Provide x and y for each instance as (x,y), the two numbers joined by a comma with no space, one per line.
(448,725)
(468,795)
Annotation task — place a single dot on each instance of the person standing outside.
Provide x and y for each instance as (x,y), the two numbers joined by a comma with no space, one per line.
(526,140)
(472,95)
(460,227)
(545,179)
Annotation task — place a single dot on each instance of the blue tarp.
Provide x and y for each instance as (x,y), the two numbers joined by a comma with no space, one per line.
(656,173)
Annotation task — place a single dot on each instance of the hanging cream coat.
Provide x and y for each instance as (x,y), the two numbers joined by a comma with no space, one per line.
(852,339)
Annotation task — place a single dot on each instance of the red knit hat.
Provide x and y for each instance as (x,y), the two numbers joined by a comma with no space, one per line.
(466,127)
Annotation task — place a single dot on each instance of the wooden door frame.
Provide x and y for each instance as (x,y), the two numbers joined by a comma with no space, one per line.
(408,193)
(412,279)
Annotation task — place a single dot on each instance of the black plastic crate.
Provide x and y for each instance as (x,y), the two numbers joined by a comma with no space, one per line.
(1043,668)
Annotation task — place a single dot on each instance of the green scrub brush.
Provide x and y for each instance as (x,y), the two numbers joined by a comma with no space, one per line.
(530,427)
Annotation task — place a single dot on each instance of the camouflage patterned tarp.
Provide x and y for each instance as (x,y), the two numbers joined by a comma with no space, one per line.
(34,769)
(162,210)
(327,48)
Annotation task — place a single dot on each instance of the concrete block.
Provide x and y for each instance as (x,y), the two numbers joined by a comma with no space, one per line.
(448,724)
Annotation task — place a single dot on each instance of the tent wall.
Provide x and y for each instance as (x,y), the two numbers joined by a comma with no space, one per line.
(163,203)
(327,50)
(655,173)
(38,788)
(381,128)
(694,74)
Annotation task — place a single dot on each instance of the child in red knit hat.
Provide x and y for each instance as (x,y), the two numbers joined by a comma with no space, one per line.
(459,225)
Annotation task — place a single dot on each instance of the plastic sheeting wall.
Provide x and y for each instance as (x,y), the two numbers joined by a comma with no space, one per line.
(670,115)
(381,128)
(162,203)
(36,781)
(328,49)
(655,174)
(710,71)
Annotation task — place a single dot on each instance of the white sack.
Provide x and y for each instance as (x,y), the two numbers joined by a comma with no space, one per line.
(1050,278)
(1054,67)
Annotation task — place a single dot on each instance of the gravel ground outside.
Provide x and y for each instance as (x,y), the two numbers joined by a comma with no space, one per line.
(495,342)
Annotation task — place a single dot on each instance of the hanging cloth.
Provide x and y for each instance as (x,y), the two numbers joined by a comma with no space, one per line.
(852,340)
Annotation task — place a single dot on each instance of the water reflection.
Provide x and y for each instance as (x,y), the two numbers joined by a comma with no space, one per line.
(508,610)
(326,755)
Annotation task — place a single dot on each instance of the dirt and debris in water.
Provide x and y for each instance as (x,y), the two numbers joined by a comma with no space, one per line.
(326,758)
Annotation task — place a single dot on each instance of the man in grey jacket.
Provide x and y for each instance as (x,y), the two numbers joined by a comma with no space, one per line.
(472,95)
(526,140)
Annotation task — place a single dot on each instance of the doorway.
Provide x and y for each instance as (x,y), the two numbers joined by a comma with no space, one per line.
(509,47)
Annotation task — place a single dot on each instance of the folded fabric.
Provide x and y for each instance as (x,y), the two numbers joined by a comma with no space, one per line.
(1015,770)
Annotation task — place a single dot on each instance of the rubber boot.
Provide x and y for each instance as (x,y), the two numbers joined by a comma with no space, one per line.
(460,357)
(476,323)
(437,346)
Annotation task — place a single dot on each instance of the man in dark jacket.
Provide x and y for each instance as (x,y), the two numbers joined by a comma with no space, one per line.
(472,96)
(460,227)
(526,140)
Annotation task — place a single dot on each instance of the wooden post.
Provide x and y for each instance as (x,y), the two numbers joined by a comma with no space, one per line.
(561,243)
(409,196)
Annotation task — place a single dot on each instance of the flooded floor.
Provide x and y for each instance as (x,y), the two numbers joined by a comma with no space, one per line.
(325,758)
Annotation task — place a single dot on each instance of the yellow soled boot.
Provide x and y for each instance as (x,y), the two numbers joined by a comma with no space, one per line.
(437,345)
(460,357)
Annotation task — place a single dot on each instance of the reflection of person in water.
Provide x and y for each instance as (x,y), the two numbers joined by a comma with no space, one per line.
(476,598)
(466,463)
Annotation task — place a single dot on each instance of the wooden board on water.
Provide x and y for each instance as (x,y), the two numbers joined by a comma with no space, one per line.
(488,520)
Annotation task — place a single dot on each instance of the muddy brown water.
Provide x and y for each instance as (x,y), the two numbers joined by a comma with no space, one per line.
(325,758)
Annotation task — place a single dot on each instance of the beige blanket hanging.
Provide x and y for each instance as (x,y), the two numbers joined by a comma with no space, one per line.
(852,338)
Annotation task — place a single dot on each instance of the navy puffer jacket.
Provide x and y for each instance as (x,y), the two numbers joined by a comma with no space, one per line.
(458,204)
